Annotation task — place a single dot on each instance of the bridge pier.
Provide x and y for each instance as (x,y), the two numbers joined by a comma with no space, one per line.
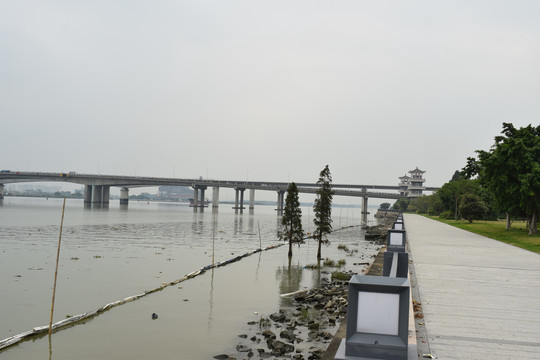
(203,189)
(215,198)
(198,202)
(251,200)
(195,198)
(365,211)
(87,194)
(239,192)
(124,196)
(99,195)
(280,201)
(105,195)
(201,200)
(1,191)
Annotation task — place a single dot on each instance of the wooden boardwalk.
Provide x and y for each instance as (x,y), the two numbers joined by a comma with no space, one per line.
(480,297)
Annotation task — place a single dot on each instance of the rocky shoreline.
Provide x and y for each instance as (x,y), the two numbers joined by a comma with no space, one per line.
(378,232)
(300,331)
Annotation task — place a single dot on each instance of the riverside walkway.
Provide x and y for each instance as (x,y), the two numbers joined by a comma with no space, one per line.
(480,297)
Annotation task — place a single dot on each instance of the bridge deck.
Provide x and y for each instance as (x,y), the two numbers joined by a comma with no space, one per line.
(7,177)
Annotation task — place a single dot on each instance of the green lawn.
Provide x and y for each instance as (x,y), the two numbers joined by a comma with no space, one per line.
(516,236)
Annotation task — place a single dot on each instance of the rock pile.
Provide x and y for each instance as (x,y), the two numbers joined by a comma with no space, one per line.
(301,331)
(376,233)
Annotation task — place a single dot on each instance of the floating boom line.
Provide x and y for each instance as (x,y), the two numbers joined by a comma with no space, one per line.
(76,318)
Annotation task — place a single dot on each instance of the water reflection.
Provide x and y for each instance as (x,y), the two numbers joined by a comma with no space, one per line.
(317,276)
(290,278)
(198,223)
(238,225)
(251,225)
(95,207)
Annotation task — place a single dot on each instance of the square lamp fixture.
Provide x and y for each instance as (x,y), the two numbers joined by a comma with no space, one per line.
(377,318)
(396,240)
(398,226)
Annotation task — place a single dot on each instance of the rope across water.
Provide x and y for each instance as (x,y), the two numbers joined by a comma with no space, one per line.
(76,318)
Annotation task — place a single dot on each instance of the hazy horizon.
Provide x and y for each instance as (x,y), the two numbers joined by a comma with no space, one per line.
(263,91)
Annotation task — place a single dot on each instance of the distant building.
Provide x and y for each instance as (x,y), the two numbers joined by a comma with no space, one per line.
(404,183)
(34,187)
(412,186)
(417,182)
(175,192)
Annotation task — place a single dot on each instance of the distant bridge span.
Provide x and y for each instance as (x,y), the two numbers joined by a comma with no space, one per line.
(97,187)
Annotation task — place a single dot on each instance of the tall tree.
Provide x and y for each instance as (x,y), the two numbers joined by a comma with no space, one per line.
(292,218)
(384,206)
(457,176)
(323,207)
(451,192)
(401,204)
(423,204)
(511,172)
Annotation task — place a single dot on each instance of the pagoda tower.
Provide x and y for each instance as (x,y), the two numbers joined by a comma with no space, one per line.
(416,183)
(404,183)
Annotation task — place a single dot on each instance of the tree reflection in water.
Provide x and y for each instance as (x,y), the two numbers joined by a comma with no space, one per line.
(290,279)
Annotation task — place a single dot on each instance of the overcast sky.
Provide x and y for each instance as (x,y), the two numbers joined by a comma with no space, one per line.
(263,90)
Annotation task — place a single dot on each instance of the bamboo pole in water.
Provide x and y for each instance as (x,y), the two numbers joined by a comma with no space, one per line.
(213,243)
(56,270)
(260,242)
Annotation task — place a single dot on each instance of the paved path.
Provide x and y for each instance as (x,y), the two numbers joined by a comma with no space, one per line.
(480,297)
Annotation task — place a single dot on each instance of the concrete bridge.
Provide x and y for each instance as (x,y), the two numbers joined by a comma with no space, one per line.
(97,187)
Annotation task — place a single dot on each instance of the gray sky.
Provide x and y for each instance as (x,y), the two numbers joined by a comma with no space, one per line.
(263,90)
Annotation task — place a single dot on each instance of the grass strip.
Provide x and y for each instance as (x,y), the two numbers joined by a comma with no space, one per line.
(517,235)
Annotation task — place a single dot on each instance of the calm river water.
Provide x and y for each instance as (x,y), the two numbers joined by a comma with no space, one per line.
(107,255)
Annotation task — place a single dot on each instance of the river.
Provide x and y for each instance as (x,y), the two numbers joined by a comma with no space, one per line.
(107,255)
